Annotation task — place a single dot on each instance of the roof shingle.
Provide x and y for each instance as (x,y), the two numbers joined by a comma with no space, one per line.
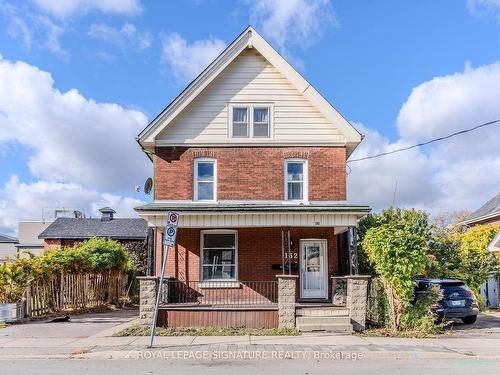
(83,228)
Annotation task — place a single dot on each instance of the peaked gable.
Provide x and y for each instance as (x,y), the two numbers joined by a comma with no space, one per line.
(250,71)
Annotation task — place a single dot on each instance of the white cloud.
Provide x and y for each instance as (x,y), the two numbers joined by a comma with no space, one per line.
(33,29)
(459,173)
(126,36)
(455,101)
(26,201)
(404,179)
(185,60)
(287,22)
(72,139)
(19,29)
(484,6)
(67,8)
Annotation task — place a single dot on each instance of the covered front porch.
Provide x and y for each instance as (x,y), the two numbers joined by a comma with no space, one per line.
(228,262)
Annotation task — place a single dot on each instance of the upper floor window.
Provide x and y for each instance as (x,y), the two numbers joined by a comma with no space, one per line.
(205,179)
(250,121)
(296,180)
(240,122)
(261,122)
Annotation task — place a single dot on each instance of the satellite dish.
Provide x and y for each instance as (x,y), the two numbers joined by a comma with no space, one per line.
(148,186)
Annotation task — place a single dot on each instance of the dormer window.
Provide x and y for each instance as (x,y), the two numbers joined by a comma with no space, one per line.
(250,121)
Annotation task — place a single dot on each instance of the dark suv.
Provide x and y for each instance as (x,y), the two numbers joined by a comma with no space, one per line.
(456,300)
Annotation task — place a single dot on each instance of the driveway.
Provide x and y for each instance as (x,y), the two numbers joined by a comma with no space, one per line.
(79,326)
(486,326)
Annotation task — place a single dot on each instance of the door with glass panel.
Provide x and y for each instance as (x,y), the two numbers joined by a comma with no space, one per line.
(313,269)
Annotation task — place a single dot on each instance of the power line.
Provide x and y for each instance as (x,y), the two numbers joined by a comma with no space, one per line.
(426,143)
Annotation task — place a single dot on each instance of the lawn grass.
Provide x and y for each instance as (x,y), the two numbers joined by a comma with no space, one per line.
(389,332)
(144,330)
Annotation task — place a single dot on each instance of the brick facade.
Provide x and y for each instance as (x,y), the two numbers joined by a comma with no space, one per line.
(258,250)
(255,173)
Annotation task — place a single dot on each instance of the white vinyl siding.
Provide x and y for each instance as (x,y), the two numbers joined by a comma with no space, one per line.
(250,79)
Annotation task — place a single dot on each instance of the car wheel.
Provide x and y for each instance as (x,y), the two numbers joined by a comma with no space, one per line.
(471,319)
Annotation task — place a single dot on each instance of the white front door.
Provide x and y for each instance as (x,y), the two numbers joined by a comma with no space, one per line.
(313,269)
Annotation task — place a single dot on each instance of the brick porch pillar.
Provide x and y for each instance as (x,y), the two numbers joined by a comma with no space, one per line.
(356,300)
(147,298)
(287,285)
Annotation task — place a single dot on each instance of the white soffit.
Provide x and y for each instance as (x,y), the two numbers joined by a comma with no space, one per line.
(245,220)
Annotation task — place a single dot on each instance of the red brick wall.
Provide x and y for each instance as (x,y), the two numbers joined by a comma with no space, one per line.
(250,172)
(51,244)
(258,250)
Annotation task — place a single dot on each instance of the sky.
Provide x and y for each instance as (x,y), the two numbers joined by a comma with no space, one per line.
(79,79)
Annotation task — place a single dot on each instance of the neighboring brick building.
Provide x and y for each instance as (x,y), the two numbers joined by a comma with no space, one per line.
(254,160)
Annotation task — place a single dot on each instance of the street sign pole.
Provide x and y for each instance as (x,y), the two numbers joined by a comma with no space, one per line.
(170,236)
(158,296)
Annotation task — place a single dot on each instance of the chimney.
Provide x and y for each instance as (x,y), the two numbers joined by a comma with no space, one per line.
(107,213)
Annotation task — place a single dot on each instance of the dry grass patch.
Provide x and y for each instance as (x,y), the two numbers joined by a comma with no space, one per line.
(144,330)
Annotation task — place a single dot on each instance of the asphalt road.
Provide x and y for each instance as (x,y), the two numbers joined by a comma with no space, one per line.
(385,366)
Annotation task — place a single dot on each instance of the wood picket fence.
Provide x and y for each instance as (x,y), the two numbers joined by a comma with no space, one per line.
(74,292)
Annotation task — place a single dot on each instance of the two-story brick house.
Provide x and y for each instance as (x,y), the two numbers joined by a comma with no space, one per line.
(254,160)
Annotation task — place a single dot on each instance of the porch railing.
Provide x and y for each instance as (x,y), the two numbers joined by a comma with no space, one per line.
(220,293)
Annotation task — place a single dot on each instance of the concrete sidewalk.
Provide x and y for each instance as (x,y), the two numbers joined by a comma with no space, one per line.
(90,336)
(136,347)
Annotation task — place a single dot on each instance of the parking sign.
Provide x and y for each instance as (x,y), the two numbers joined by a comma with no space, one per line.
(171,228)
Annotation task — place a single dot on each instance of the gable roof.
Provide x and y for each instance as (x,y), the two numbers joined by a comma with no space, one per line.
(84,228)
(488,210)
(8,239)
(249,38)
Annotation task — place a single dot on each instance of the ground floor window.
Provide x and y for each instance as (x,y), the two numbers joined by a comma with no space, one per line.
(218,255)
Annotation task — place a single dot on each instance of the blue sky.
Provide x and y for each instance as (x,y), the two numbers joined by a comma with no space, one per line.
(366,57)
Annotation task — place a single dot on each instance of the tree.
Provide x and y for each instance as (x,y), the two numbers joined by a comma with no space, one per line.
(476,262)
(397,246)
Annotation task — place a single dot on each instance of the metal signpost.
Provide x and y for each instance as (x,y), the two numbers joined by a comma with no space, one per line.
(169,240)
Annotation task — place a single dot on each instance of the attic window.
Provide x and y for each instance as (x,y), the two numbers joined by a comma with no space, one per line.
(240,122)
(250,121)
(261,122)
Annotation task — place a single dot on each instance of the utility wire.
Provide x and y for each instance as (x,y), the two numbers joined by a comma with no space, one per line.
(426,143)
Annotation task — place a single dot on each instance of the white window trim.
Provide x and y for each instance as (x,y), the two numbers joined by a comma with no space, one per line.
(220,283)
(195,178)
(250,133)
(305,195)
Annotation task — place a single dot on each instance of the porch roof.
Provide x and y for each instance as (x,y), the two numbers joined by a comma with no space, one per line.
(231,214)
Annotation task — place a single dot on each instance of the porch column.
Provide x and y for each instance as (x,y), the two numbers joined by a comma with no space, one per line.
(287,285)
(356,300)
(147,298)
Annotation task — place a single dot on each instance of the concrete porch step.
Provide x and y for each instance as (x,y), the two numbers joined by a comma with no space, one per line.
(322,320)
(336,328)
(322,311)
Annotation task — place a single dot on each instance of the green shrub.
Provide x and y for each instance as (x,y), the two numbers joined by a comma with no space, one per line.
(397,247)
(13,282)
(93,255)
(419,316)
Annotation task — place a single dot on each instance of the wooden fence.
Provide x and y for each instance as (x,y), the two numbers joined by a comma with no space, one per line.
(73,292)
